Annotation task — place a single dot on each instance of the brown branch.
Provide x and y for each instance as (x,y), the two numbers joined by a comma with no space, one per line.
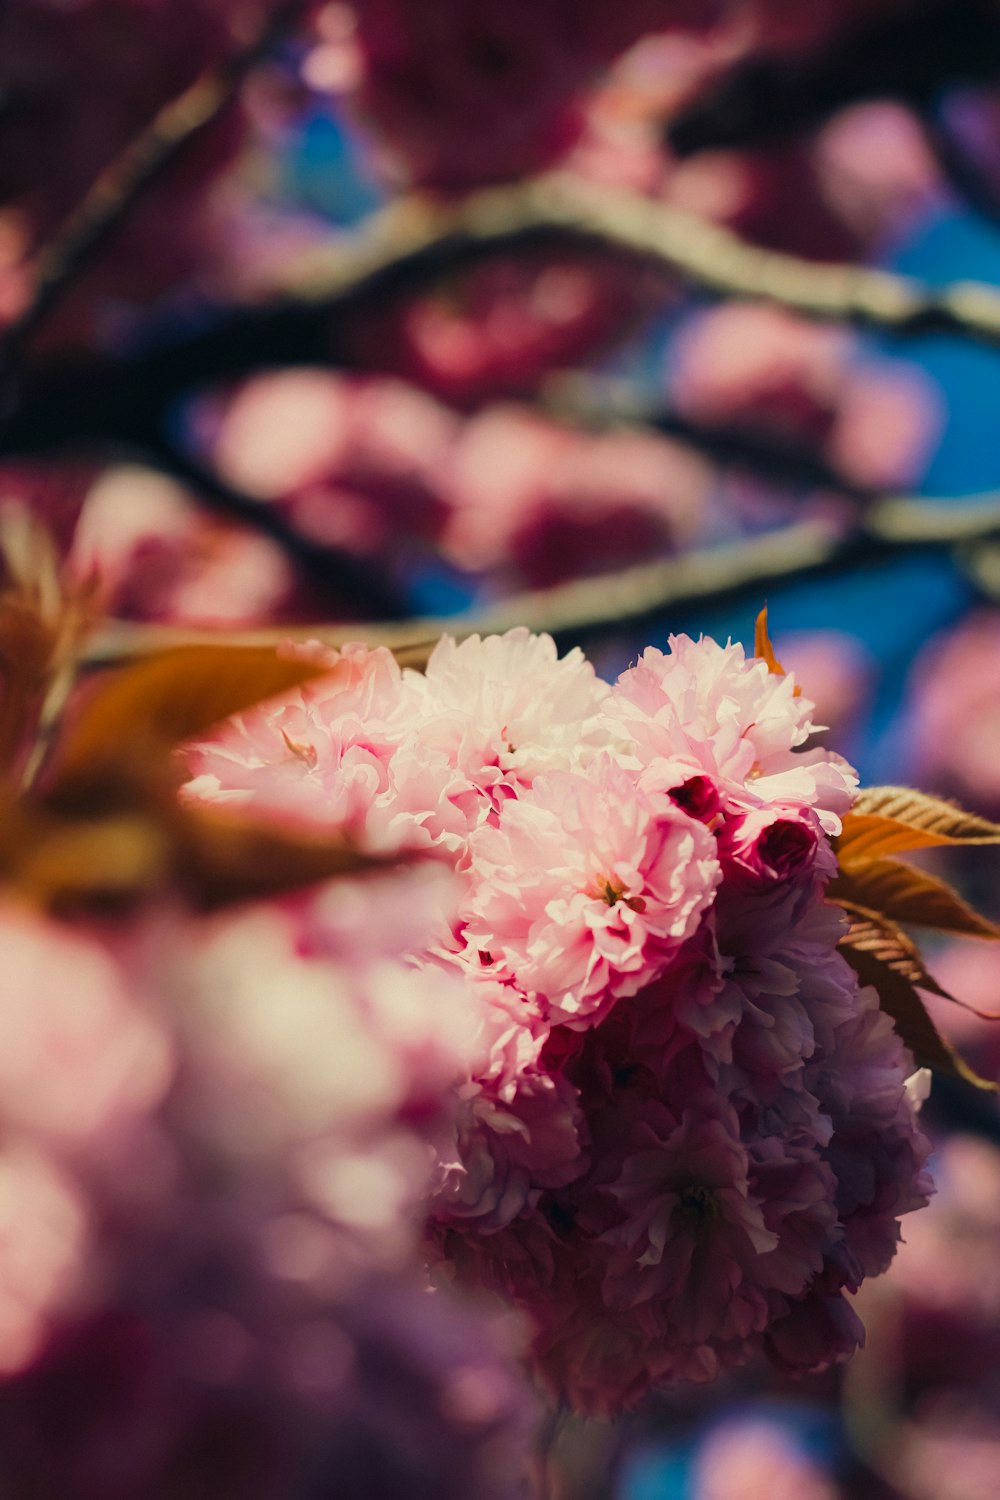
(599,403)
(412,238)
(119,186)
(344,579)
(638,596)
(412,246)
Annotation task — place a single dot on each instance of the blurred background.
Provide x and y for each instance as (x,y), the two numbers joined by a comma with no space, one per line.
(343,316)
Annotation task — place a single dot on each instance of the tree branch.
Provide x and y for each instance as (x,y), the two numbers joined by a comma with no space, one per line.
(642,596)
(413,246)
(348,582)
(772,456)
(124,180)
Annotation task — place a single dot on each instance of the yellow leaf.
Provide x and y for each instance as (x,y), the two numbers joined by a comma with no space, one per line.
(889,820)
(110,862)
(27,646)
(762,645)
(885,958)
(903,894)
(149,707)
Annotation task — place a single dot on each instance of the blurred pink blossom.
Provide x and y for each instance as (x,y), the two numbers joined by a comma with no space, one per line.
(752,364)
(956,681)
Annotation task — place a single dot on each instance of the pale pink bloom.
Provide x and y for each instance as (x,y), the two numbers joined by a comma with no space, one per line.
(889,421)
(340,753)
(315,1054)
(282,431)
(731,720)
(358,460)
(554,503)
(518,1127)
(325,1041)
(81,1059)
(750,361)
(877,169)
(956,681)
(506,707)
(585,890)
(157,555)
(757,1460)
(841,674)
(44,1235)
(319,752)
(757,366)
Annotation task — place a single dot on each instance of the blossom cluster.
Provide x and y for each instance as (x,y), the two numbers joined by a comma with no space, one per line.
(211,1175)
(683,1134)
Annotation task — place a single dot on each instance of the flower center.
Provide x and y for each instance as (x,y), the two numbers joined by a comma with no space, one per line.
(699,1203)
(610,891)
(306,753)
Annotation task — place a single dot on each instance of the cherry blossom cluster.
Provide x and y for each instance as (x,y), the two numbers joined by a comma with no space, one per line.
(684,1135)
(212,1170)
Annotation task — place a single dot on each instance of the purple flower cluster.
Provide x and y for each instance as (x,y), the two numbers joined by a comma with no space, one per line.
(683,1133)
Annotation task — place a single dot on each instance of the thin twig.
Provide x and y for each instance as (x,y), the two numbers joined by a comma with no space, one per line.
(639,596)
(116,190)
(347,581)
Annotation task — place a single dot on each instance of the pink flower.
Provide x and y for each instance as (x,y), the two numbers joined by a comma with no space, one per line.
(956,680)
(693,1239)
(759,366)
(775,844)
(340,753)
(557,503)
(157,555)
(329,1030)
(81,1058)
(320,753)
(728,718)
(758,1460)
(44,1235)
(518,1126)
(504,708)
(877,1149)
(585,890)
